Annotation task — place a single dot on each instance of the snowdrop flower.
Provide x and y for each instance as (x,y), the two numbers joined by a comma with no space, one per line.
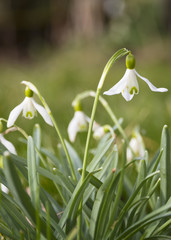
(99,132)
(29,107)
(9,146)
(137,145)
(79,123)
(128,85)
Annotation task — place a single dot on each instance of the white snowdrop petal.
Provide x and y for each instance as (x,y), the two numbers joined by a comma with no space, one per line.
(151,86)
(72,130)
(43,113)
(29,109)
(78,123)
(10,147)
(128,97)
(14,114)
(117,88)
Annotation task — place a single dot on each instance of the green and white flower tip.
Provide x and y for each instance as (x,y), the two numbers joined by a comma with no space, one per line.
(9,146)
(99,131)
(128,85)
(29,107)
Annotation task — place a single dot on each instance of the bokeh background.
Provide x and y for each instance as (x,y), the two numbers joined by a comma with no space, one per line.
(63,46)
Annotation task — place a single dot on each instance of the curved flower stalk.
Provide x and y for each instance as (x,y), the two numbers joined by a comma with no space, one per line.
(128,85)
(120,53)
(137,146)
(29,107)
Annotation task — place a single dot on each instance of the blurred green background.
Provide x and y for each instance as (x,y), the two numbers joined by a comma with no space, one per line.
(63,46)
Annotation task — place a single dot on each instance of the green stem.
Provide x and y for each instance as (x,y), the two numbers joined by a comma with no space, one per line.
(116,56)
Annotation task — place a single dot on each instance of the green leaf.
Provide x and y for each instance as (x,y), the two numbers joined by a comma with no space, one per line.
(15,214)
(19,193)
(37,140)
(100,207)
(6,232)
(16,188)
(71,209)
(162,212)
(128,204)
(32,172)
(101,151)
(165,166)
(59,178)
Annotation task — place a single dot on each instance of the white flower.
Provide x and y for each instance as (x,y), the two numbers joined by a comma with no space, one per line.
(79,123)
(99,132)
(137,145)
(9,146)
(29,108)
(128,85)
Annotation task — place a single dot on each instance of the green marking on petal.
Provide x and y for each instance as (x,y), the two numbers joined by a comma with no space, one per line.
(29,115)
(133,90)
(83,127)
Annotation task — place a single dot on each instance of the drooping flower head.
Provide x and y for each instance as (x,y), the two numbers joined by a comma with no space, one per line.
(128,85)
(137,146)
(79,122)
(29,107)
(9,146)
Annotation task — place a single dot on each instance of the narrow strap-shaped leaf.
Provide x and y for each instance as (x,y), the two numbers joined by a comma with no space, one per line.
(102,149)
(72,207)
(58,178)
(6,232)
(162,212)
(14,213)
(19,193)
(129,203)
(165,237)
(141,176)
(119,190)
(165,166)
(16,188)
(37,140)
(32,172)
(101,197)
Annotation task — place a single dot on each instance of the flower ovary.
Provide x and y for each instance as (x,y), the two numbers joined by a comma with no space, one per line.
(28,92)
(130,61)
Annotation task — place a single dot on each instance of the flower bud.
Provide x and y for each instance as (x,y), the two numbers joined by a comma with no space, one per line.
(28,92)
(130,61)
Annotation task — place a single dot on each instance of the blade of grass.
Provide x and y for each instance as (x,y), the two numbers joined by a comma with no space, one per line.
(165,166)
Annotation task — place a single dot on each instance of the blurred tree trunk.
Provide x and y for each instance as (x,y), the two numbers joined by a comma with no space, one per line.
(86,17)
